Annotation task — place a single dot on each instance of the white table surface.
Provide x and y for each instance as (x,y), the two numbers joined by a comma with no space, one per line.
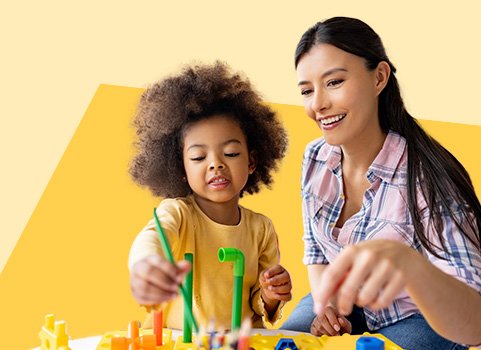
(90,343)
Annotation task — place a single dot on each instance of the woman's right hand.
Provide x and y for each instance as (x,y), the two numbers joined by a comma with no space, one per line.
(330,323)
(154,280)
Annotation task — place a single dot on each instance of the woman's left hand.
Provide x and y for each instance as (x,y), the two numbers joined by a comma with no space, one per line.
(370,273)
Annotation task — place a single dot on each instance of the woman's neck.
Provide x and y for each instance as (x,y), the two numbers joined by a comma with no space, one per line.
(225,213)
(358,156)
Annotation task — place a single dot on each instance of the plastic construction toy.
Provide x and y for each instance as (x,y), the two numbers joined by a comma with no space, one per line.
(53,334)
(263,342)
(236,256)
(136,338)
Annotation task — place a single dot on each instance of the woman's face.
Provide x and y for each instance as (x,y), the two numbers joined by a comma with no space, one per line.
(341,94)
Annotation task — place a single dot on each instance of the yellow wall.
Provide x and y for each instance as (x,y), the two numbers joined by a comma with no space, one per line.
(71,258)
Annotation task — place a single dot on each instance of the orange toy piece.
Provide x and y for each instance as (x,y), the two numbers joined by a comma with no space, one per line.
(53,334)
(134,341)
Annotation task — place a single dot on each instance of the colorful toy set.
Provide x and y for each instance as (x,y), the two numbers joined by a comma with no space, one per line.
(54,337)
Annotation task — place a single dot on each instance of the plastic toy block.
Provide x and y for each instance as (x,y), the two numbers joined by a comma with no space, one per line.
(120,340)
(53,334)
(369,343)
(286,343)
(347,341)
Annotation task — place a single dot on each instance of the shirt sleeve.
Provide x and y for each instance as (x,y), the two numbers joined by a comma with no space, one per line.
(461,258)
(268,256)
(147,241)
(313,254)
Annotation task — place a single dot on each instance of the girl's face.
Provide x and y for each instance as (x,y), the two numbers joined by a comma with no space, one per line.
(216,159)
(341,94)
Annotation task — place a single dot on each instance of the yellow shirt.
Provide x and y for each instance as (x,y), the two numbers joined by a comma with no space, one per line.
(189,230)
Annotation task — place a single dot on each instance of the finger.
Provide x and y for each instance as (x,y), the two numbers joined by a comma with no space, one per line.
(316,327)
(348,291)
(373,284)
(279,279)
(162,275)
(272,271)
(327,326)
(390,291)
(332,278)
(147,293)
(331,318)
(346,326)
(281,289)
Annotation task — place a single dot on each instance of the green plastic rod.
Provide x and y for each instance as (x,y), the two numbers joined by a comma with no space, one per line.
(236,256)
(188,283)
(168,253)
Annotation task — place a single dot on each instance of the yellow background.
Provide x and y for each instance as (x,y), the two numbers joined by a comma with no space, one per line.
(70,259)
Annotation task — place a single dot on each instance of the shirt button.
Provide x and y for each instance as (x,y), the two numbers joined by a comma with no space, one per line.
(332,224)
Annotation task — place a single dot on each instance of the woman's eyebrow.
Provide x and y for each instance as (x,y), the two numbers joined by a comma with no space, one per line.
(325,74)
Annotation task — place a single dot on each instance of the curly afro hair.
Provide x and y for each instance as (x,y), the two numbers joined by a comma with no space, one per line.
(168,107)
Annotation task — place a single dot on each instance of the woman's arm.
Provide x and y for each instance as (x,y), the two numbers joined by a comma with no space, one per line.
(373,272)
(452,308)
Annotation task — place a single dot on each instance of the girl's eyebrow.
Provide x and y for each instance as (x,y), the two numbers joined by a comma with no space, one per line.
(325,74)
(223,144)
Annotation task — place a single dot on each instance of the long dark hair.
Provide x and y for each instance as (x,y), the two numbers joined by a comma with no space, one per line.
(443,180)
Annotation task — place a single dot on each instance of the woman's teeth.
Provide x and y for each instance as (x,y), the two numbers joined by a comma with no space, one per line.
(331,120)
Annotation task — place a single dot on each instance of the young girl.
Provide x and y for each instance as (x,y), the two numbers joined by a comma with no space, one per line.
(205,138)
(392,222)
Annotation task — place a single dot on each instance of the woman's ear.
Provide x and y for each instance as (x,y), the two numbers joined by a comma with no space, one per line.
(252,162)
(382,76)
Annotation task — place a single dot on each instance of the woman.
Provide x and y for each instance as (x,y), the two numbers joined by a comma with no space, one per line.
(391,217)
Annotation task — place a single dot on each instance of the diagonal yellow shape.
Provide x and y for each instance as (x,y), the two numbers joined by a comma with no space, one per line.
(71,259)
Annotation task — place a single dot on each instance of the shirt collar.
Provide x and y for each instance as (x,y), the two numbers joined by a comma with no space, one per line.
(383,166)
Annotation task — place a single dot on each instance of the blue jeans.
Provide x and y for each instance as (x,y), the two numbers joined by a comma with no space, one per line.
(411,333)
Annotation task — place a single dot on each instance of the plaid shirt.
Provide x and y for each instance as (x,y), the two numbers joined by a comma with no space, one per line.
(384,215)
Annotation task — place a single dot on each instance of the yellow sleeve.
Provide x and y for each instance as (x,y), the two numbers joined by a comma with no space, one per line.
(268,256)
(147,241)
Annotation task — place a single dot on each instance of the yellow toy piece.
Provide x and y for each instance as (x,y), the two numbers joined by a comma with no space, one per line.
(123,336)
(53,334)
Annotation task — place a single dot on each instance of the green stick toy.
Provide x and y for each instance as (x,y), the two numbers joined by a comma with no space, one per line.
(168,253)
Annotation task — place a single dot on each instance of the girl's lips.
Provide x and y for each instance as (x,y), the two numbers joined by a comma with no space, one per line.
(219,182)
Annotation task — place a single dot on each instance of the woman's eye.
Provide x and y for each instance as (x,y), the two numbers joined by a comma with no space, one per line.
(197,159)
(306,92)
(231,154)
(334,82)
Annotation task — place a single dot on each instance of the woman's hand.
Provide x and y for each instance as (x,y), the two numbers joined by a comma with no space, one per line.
(154,280)
(330,323)
(370,273)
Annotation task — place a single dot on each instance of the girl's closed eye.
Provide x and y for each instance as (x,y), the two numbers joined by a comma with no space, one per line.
(232,154)
(197,158)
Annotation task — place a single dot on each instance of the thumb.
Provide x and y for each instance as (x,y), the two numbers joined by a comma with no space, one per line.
(184,266)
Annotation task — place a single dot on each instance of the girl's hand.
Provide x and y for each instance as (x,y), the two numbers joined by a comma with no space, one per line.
(370,273)
(330,323)
(276,284)
(154,280)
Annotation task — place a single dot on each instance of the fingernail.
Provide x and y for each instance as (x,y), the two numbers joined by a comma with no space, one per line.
(337,328)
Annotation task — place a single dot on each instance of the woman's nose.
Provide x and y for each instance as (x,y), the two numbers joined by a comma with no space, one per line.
(320,101)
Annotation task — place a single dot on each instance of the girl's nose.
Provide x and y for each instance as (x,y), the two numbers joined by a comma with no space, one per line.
(216,165)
